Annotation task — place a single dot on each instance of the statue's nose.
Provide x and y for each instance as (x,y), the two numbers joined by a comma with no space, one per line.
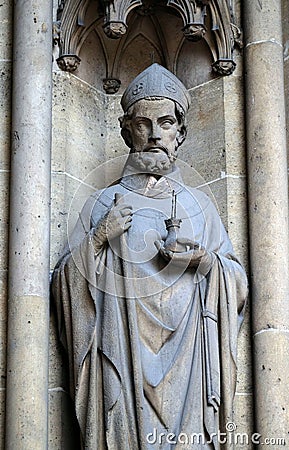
(154,133)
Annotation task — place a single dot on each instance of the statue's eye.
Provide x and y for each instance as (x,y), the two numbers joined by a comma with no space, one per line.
(166,124)
(141,125)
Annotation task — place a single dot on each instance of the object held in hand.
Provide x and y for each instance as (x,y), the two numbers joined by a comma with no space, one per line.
(173,225)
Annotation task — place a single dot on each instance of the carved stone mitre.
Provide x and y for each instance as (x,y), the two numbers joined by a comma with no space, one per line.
(156,81)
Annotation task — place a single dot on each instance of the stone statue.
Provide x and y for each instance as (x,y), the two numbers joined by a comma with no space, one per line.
(150,296)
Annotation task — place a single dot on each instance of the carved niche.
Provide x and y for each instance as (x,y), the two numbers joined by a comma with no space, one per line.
(108,34)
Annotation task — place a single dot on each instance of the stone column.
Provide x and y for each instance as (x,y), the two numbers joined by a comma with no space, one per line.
(28,305)
(268,214)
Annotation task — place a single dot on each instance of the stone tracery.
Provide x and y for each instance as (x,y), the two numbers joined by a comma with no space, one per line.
(116,22)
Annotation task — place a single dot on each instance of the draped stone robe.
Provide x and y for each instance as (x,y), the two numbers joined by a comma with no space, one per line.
(151,346)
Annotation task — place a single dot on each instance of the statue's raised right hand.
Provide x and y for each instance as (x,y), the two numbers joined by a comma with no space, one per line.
(116,221)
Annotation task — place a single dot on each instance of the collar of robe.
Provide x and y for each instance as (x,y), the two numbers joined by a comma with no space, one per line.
(149,185)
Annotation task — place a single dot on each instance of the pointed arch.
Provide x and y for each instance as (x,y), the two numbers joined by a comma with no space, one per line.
(207,19)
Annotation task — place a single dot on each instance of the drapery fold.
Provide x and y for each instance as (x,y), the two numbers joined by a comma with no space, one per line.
(112,361)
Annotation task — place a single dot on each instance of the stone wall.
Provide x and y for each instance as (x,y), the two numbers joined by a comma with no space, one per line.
(5,118)
(285,25)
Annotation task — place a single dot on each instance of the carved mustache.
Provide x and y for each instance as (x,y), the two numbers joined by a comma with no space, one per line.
(150,148)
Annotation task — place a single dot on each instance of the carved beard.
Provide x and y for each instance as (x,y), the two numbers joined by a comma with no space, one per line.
(152,162)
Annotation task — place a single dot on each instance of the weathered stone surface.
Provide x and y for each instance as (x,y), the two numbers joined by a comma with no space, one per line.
(5,114)
(79,126)
(59,214)
(194,65)
(234,128)
(230,198)
(114,143)
(5,30)
(268,213)
(5,123)
(268,197)
(92,68)
(3,326)
(236,10)
(263,21)
(4,196)
(4,218)
(237,216)
(62,428)
(286,86)
(58,369)
(69,196)
(271,348)
(28,306)
(2,418)
(285,25)
(285,29)
(205,140)
(244,373)
(28,396)
(3,349)
(130,65)
(218,189)
(243,422)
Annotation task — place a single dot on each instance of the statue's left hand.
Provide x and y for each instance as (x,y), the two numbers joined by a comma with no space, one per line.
(195,256)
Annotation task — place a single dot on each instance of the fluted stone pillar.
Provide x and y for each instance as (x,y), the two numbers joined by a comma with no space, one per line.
(28,310)
(268,214)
